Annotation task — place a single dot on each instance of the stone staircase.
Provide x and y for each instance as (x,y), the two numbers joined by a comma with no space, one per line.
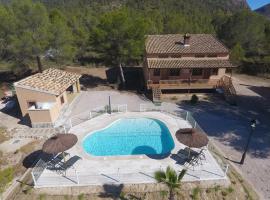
(157,93)
(66,112)
(225,83)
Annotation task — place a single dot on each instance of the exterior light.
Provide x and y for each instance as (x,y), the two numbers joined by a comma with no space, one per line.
(253,126)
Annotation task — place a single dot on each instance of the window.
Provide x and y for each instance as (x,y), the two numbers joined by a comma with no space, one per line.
(197,72)
(32,103)
(62,100)
(214,71)
(174,72)
(156,72)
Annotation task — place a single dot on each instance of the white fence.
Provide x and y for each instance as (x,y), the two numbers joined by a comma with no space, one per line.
(87,115)
(79,179)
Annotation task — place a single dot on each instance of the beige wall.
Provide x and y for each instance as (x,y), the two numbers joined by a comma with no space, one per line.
(221,72)
(26,95)
(40,116)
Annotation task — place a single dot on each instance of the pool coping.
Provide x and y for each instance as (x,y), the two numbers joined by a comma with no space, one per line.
(115,117)
(117,120)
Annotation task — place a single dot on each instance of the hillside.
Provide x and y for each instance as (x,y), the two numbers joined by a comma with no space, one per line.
(229,5)
(109,32)
(265,10)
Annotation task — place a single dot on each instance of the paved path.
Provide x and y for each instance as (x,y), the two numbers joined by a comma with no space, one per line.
(229,126)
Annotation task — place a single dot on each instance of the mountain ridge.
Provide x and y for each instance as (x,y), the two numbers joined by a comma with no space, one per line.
(264,10)
(230,5)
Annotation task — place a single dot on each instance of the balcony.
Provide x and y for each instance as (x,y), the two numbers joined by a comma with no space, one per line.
(183,84)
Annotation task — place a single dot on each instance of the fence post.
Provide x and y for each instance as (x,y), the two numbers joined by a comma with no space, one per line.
(65,129)
(226,170)
(34,179)
(195,124)
(187,116)
(78,181)
(90,115)
(70,123)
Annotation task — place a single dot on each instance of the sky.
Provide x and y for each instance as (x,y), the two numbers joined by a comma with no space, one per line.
(254,4)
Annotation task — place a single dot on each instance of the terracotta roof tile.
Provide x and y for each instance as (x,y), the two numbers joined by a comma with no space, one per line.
(173,43)
(182,63)
(52,81)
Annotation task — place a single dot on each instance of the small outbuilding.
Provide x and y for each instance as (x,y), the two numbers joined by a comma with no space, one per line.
(43,96)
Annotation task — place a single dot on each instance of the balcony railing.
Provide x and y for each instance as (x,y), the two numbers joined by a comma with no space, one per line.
(183,84)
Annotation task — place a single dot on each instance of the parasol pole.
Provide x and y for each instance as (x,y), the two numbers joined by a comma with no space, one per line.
(63,153)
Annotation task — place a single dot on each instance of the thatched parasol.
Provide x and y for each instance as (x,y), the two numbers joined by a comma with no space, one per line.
(59,143)
(192,138)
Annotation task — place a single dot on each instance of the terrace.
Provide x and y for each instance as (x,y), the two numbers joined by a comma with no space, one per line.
(99,170)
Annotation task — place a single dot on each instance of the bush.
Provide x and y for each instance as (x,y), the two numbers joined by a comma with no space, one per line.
(194,99)
(81,197)
(217,188)
(6,176)
(230,189)
(174,98)
(195,193)
(224,193)
(3,135)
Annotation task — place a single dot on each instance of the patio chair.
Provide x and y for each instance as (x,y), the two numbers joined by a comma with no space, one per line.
(64,166)
(202,154)
(53,163)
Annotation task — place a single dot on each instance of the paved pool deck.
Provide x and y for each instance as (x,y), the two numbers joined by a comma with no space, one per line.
(91,170)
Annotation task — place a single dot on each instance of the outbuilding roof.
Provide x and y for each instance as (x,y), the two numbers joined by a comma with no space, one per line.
(174,44)
(53,81)
(185,63)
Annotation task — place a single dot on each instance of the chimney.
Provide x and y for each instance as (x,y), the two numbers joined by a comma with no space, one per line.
(186,40)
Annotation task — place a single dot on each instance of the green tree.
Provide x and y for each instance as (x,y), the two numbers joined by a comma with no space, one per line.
(7,28)
(237,54)
(246,28)
(119,37)
(31,36)
(170,179)
(61,38)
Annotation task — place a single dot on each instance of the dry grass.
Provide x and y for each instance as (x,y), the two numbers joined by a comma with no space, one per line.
(30,147)
(93,71)
(3,135)
(239,189)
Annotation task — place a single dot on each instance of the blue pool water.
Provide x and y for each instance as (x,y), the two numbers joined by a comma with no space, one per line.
(130,136)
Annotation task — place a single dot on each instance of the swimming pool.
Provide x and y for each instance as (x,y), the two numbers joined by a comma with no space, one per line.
(130,136)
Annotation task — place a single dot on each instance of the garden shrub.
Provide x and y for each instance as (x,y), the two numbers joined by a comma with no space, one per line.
(6,176)
(194,99)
